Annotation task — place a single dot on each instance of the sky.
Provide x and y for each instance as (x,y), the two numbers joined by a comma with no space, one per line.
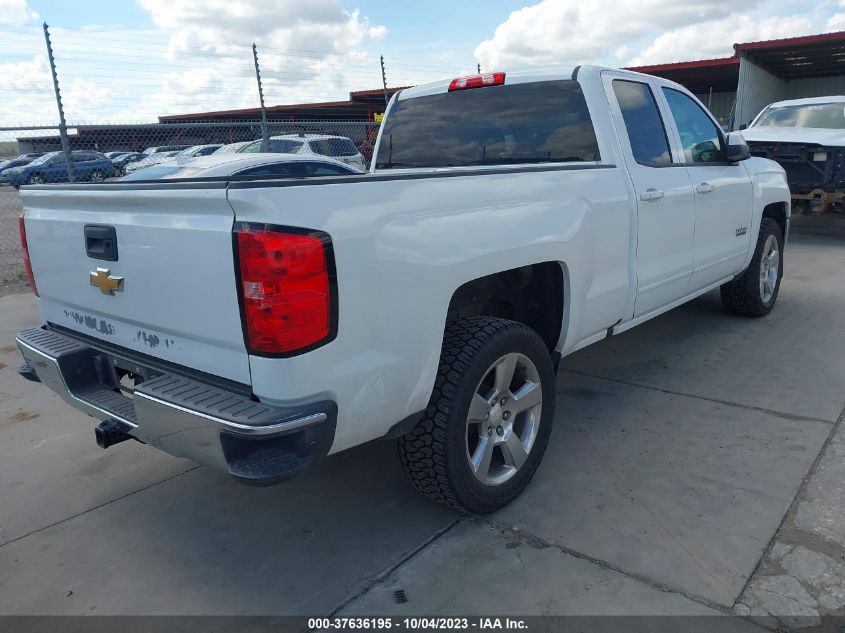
(132,60)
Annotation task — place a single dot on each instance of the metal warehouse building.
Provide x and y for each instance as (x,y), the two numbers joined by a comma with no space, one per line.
(737,88)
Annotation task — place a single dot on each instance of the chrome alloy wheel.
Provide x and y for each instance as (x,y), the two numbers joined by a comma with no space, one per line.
(503,419)
(769,269)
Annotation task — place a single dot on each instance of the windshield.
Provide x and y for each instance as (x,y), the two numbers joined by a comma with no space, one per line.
(157,172)
(816,115)
(231,148)
(43,159)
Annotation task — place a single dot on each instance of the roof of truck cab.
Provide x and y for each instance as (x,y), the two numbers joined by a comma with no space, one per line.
(513,77)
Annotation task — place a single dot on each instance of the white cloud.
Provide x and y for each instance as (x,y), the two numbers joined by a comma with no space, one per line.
(16,12)
(674,46)
(198,58)
(633,32)
(836,22)
(31,92)
(576,31)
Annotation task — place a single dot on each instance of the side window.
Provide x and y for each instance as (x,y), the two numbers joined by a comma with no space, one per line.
(643,123)
(320,169)
(699,135)
(255,146)
(274,170)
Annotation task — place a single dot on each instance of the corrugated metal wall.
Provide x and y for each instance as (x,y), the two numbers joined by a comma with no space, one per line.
(816,87)
(721,104)
(756,89)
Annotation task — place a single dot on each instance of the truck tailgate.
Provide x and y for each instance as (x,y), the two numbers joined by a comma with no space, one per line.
(177,300)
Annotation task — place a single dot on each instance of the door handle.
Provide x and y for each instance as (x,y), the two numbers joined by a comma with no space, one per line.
(704,187)
(651,194)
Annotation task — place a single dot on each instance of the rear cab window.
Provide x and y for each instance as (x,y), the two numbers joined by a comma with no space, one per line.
(523,123)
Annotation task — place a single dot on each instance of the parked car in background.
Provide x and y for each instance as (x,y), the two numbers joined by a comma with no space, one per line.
(339,147)
(257,165)
(149,161)
(88,165)
(234,148)
(16,162)
(807,137)
(196,150)
(164,148)
(121,161)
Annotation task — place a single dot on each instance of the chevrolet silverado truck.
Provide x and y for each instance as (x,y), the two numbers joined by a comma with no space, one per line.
(807,138)
(256,325)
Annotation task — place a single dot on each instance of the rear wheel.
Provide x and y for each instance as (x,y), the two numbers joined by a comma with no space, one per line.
(489,419)
(755,292)
(97,176)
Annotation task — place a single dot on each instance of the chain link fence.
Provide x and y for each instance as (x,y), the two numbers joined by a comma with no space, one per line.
(107,152)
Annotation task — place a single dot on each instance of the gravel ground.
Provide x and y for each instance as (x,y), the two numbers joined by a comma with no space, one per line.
(11,267)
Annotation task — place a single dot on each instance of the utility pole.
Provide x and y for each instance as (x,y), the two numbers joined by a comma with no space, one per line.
(71,174)
(265,136)
(383,79)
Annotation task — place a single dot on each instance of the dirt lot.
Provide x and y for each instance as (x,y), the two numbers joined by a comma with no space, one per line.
(696,468)
(10,253)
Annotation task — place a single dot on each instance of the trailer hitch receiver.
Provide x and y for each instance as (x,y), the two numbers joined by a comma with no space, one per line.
(111,432)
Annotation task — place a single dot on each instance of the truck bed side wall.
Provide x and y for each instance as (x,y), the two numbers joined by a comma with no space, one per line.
(404,245)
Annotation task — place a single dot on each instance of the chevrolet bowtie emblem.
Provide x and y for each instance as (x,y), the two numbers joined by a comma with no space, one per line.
(107,283)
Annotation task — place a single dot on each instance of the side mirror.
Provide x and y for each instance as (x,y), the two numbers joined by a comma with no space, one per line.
(737,147)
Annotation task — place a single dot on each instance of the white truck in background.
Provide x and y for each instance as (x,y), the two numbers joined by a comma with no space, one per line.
(807,138)
(256,325)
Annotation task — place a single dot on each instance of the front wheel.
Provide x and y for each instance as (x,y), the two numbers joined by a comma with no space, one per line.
(488,422)
(97,176)
(755,292)
(35,179)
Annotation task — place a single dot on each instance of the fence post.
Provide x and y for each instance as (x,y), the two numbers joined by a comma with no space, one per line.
(265,136)
(71,174)
(383,79)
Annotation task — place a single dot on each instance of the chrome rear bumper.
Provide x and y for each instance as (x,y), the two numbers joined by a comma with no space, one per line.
(251,440)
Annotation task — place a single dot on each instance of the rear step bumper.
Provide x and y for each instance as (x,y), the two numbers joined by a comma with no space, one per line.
(255,442)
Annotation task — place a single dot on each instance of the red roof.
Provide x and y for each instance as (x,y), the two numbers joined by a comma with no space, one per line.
(358,98)
(701,63)
(803,40)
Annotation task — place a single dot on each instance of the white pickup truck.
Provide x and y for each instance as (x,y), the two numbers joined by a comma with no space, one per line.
(256,324)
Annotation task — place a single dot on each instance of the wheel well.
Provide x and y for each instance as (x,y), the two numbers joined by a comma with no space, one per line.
(777,212)
(529,294)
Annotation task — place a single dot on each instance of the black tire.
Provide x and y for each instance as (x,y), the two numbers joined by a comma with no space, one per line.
(35,179)
(436,453)
(743,296)
(97,176)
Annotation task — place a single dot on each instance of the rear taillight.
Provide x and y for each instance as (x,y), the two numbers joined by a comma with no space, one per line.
(286,288)
(25,250)
(477,81)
